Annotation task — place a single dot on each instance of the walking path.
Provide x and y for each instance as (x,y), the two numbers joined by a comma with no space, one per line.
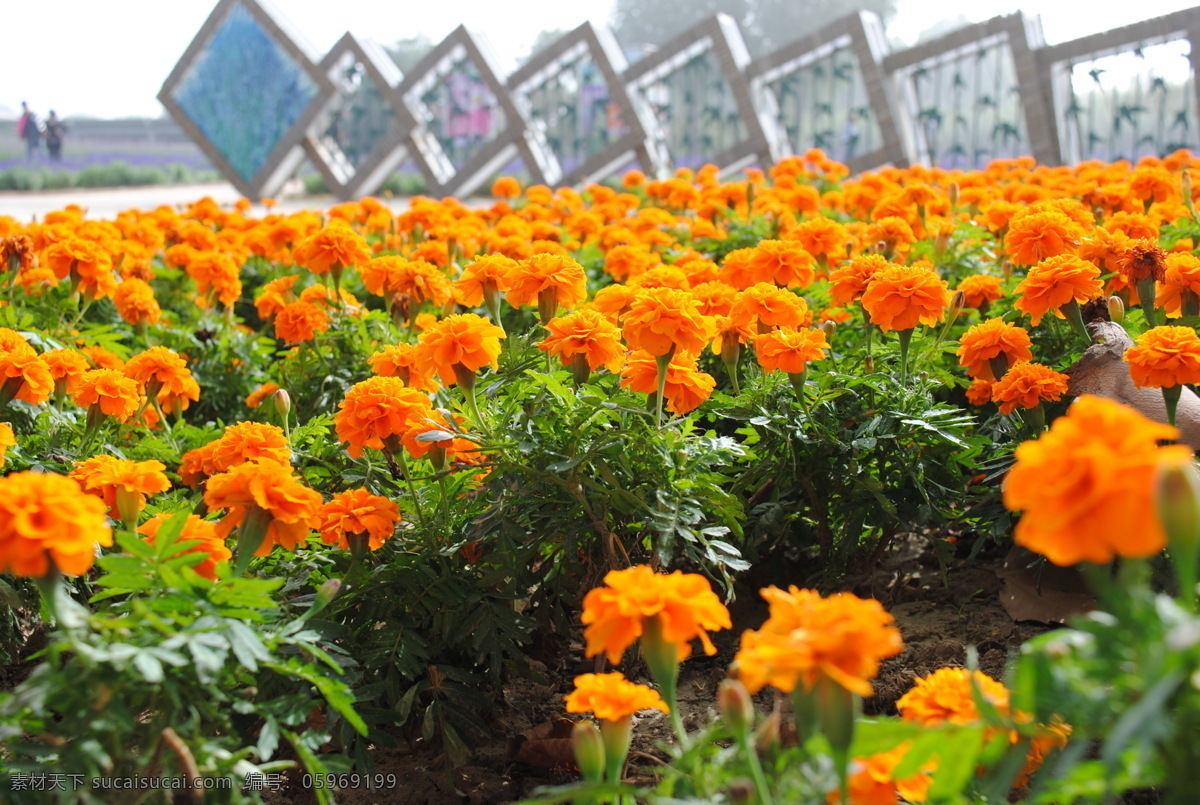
(107,202)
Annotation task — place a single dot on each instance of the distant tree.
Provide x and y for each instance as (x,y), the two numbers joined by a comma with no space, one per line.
(638,23)
(766,24)
(942,27)
(771,24)
(542,41)
(407,52)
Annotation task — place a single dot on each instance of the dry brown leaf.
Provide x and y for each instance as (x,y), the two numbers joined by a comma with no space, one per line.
(546,746)
(1058,595)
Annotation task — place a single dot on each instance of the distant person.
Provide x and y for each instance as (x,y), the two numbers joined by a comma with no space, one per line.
(28,130)
(55,131)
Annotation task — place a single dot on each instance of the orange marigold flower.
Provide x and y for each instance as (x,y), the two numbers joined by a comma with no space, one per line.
(163,374)
(821,237)
(712,298)
(334,248)
(269,487)
(122,484)
(842,638)
(1055,282)
(324,298)
(873,783)
(400,360)
(980,289)
(7,439)
(629,260)
(215,274)
(36,280)
(357,512)
(1143,260)
(549,280)
(1026,385)
(740,270)
(48,521)
(419,280)
(16,253)
(985,342)
(764,306)
(1165,357)
(587,334)
(66,366)
(728,333)
(894,233)
(617,614)
(300,321)
(256,397)
(87,263)
(1037,236)
(1086,486)
(101,358)
(487,277)
(248,441)
(663,319)
(686,386)
(112,392)
(1181,280)
(212,546)
(458,346)
(901,297)
(383,413)
(848,282)
(506,187)
(980,392)
(784,263)
(136,303)
(790,350)
(612,697)
(24,375)
(947,696)
(661,277)
(276,295)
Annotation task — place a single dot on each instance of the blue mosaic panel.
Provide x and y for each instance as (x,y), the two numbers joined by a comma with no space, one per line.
(244,92)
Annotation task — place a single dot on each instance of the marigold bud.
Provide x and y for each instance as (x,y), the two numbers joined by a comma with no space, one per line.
(589,750)
(1116,309)
(1178,499)
(736,708)
(283,402)
(957,302)
(830,327)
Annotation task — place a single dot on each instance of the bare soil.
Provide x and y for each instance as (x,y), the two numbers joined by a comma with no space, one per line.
(939,614)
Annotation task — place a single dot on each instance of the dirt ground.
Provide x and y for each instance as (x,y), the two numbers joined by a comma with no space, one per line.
(938,616)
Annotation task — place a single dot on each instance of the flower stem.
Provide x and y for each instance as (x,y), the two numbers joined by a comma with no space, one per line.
(664,365)
(1171,396)
(905,337)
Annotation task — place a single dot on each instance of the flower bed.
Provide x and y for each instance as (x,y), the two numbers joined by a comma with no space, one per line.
(287,488)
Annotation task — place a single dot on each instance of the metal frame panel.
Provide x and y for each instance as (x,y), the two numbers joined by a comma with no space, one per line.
(599,44)
(288,153)
(764,142)
(347,182)
(868,43)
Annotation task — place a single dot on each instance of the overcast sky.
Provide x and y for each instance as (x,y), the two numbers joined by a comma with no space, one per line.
(108,58)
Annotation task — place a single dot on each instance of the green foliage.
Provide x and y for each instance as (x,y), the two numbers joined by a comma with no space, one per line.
(224,666)
(111,174)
